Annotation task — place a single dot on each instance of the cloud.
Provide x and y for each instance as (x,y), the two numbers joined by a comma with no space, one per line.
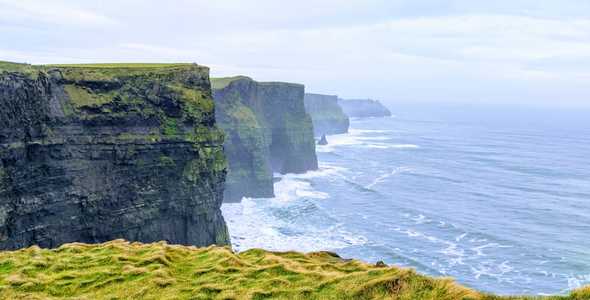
(28,12)
(446,50)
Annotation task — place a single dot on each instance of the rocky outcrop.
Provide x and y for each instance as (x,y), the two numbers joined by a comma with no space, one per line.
(267,130)
(364,108)
(98,152)
(326,114)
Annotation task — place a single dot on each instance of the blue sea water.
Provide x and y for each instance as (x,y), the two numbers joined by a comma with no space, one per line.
(497,198)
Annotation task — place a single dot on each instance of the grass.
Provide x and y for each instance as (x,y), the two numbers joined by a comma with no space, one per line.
(100,72)
(82,97)
(121,65)
(122,270)
(221,83)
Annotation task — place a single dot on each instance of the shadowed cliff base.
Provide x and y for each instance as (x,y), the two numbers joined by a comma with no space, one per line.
(123,270)
(267,130)
(96,152)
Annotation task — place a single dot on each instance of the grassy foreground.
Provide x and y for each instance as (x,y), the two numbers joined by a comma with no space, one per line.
(123,270)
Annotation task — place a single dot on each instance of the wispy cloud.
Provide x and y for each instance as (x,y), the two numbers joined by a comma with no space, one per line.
(50,12)
(505,50)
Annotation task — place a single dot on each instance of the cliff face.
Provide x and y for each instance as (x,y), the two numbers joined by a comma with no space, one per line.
(247,141)
(267,130)
(326,114)
(363,108)
(98,152)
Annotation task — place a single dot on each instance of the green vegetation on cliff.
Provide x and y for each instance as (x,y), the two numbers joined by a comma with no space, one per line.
(247,140)
(122,270)
(120,151)
(223,82)
(267,129)
(326,114)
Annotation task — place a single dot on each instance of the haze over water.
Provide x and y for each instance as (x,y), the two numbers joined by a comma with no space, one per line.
(497,198)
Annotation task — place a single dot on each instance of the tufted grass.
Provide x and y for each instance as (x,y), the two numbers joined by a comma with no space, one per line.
(123,270)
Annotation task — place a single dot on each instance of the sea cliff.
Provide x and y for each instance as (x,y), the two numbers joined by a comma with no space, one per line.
(363,108)
(267,131)
(91,153)
(327,116)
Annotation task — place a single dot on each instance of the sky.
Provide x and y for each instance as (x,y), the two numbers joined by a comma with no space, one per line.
(503,51)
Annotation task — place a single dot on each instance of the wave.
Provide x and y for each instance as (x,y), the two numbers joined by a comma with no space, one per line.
(392,146)
(256,223)
(362,138)
(291,220)
(383,177)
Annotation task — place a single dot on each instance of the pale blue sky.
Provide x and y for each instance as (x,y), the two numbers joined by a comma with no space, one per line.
(517,51)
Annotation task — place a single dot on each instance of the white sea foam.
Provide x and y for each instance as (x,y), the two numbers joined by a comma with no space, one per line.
(383,177)
(374,138)
(289,189)
(578,281)
(492,269)
(462,236)
(392,146)
(254,223)
(363,138)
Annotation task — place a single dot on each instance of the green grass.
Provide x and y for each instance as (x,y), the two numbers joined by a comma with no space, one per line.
(100,72)
(13,67)
(221,83)
(26,69)
(122,270)
(81,97)
(121,65)
(21,67)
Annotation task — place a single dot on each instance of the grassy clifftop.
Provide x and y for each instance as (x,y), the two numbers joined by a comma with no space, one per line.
(122,270)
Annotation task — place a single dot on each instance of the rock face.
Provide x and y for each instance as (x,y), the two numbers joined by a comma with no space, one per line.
(99,152)
(364,108)
(326,114)
(267,130)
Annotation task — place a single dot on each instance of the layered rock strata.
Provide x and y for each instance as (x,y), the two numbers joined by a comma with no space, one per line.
(326,114)
(267,130)
(91,153)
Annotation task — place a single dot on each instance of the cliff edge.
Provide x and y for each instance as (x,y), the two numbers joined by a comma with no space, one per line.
(327,116)
(364,108)
(91,153)
(267,130)
(122,270)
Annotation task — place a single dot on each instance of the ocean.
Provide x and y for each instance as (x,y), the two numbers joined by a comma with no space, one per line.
(496,197)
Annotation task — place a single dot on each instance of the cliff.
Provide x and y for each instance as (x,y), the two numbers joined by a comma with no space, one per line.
(267,130)
(364,108)
(92,153)
(327,116)
(120,270)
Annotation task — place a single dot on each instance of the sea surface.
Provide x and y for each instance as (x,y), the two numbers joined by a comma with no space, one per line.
(498,198)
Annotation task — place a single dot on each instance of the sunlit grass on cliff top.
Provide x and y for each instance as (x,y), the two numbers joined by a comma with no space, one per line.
(222,82)
(122,270)
(121,65)
(20,67)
